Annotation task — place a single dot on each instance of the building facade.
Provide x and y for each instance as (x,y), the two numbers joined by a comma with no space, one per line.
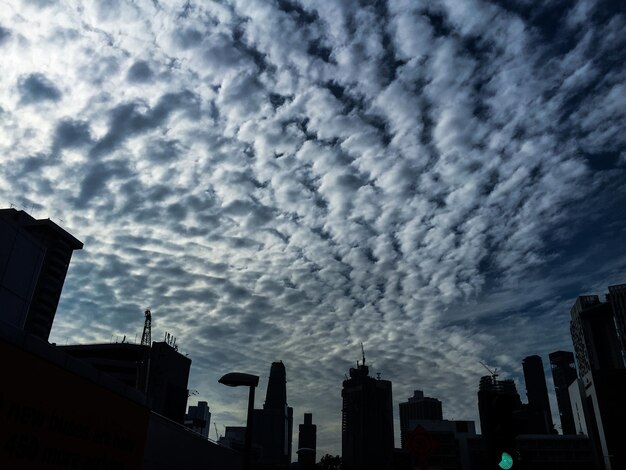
(594,335)
(617,298)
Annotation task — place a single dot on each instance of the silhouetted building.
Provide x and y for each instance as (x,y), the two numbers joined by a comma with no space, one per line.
(499,406)
(273,425)
(537,393)
(34,257)
(159,371)
(594,335)
(598,396)
(617,298)
(367,441)
(198,418)
(563,375)
(415,408)
(307,443)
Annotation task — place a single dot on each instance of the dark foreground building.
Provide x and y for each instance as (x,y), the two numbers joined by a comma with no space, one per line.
(553,452)
(367,441)
(59,412)
(34,257)
(160,371)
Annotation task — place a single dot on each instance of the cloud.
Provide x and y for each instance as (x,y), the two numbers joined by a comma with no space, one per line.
(36,87)
(140,72)
(284,180)
(5,35)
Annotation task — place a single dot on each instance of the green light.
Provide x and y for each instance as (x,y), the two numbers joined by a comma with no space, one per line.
(506,462)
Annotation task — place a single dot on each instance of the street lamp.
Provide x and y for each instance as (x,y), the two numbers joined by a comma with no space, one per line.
(238,379)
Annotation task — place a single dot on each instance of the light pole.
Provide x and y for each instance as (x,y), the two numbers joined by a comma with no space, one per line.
(238,379)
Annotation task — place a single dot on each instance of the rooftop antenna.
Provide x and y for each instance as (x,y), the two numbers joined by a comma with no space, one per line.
(363,351)
(146,336)
(494,373)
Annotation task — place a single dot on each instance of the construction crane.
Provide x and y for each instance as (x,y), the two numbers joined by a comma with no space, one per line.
(494,373)
(146,336)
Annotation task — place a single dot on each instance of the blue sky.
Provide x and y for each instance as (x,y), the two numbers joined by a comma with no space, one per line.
(281,180)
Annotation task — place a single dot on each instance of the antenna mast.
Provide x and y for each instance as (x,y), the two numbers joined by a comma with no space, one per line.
(146,336)
(363,351)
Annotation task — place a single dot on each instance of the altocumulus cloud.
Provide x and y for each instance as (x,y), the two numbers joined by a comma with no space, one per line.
(282,180)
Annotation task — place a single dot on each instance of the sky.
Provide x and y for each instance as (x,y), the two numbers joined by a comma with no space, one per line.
(283,180)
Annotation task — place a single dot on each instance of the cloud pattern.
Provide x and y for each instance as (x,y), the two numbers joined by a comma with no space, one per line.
(283,179)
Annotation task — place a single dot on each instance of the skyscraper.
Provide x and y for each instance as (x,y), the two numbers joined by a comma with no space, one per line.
(418,407)
(367,421)
(600,391)
(273,425)
(564,374)
(307,442)
(594,335)
(498,403)
(34,257)
(537,392)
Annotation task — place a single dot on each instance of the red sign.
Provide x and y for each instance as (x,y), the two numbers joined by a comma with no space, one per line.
(421,443)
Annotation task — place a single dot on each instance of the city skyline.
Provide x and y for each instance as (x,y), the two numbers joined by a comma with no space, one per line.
(285,180)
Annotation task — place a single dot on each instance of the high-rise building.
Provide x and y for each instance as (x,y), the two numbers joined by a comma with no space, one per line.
(367,441)
(598,396)
(34,257)
(273,425)
(198,418)
(537,393)
(594,335)
(563,375)
(617,298)
(417,407)
(498,406)
(307,442)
